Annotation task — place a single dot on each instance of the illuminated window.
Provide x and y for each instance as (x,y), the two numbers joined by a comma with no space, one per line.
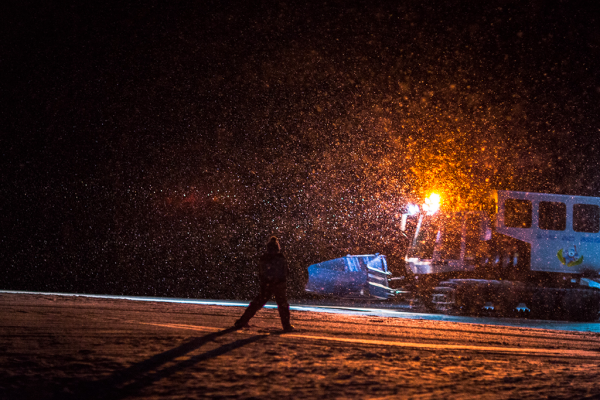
(586,218)
(517,213)
(553,216)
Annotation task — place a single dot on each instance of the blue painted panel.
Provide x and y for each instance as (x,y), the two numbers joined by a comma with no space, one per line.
(350,276)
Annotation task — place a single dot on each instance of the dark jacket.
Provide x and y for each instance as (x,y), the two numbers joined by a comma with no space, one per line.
(272,268)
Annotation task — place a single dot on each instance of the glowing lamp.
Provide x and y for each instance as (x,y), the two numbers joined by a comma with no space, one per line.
(432,204)
(412,209)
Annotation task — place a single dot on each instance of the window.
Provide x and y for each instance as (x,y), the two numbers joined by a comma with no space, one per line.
(517,213)
(586,218)
(553,216)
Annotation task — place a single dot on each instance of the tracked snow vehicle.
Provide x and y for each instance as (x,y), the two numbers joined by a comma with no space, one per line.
(531,253)
(352,276)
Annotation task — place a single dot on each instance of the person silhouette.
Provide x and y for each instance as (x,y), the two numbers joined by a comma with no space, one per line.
(272,272)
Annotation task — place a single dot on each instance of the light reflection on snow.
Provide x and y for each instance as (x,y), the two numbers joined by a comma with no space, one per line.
(387,312)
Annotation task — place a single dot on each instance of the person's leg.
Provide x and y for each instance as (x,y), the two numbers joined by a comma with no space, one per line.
(255,305)
(282,306)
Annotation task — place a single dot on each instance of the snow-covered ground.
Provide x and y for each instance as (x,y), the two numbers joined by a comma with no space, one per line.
(55,346)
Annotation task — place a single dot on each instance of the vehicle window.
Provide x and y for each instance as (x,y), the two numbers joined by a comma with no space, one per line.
(553,216)
(517,213)
(586,218)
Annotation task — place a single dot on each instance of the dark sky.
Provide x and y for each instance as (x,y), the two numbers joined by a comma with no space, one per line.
(147,140)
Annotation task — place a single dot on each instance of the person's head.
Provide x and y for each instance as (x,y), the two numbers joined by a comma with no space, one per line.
(273,245)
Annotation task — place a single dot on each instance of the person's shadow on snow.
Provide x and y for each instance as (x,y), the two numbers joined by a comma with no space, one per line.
(130,380)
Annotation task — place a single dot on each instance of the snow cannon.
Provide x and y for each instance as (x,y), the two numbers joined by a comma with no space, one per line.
(362,276)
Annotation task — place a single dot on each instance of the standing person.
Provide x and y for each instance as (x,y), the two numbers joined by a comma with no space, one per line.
(272,272)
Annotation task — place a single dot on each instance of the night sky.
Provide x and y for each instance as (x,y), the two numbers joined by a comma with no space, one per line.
(152,148)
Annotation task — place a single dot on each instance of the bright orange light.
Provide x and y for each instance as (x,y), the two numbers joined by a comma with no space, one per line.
(432,204)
